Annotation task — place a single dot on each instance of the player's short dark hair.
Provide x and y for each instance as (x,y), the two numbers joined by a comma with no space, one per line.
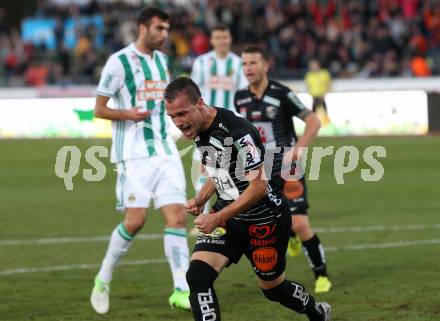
(182,86)
(219,27)
(256,49)
(149,13)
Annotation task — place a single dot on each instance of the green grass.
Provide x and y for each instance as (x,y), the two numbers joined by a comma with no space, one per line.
(387,284)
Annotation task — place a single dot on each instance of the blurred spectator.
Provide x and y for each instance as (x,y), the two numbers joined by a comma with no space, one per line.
(420,67)
(318,81)
(36,74)
(351,38)
(4,29)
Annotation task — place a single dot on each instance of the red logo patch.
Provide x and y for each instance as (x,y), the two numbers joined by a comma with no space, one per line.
(265,258)
(261,231)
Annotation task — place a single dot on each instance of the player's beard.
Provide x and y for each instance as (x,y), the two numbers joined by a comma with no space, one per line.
(155,45)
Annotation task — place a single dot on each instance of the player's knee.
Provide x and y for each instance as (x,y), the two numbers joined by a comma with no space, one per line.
(133,225)
(178,220)
(300,226)
(200,275)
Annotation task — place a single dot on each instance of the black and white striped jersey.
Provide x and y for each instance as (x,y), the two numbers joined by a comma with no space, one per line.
(272,116)
(231,148)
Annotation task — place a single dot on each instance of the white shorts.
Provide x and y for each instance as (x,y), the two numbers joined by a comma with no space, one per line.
(141,180)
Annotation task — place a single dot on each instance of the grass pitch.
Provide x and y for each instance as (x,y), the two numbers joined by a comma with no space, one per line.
(383,241)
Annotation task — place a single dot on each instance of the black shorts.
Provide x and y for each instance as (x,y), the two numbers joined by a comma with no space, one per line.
(319,102)
(295,193)
(264,245)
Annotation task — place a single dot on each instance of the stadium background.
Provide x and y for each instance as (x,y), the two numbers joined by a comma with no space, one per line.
(382,237)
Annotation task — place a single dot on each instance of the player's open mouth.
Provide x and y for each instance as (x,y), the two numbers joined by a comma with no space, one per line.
(186,130)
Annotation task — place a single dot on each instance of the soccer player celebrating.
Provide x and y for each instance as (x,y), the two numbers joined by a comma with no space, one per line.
(248,218)
(147,160)
(219,75)
(270,106)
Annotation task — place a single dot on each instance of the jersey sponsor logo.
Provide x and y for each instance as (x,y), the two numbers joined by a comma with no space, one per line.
(223,183)
(153,90)
(220,82)
(247,146)
(244,101)
(216,143)
(261,231)
(271,112)
(205,300)
(220,125)
(265,258)
(272,101)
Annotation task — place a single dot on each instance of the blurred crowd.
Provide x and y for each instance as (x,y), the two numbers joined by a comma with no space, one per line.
(350,38)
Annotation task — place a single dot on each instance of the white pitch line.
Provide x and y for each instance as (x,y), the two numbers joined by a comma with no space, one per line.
(387,245)
(158,236)
(59,240)
(78,267)
(376,228)
(356,247)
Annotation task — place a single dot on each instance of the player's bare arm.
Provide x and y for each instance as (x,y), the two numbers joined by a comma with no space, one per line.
(251,195)
(195,205)
(102,111)
(310,131)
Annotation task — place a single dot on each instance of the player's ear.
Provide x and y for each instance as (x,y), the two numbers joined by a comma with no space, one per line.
(266,66)
(200,103)
(142,29)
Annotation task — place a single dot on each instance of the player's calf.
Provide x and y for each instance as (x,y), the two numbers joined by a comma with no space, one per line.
(203,299)
(296,297)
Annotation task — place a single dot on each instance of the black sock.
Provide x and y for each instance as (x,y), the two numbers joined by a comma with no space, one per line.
(295,297)
(204,303)
(315,252)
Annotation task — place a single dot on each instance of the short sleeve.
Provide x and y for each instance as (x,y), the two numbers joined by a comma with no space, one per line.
(294,106)
(250,148)
(112,78)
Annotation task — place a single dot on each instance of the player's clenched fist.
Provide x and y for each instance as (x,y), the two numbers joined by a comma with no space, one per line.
(137,114)
(193,207)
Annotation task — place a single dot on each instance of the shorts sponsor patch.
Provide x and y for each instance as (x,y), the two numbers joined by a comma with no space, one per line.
(265,258)
(261,231)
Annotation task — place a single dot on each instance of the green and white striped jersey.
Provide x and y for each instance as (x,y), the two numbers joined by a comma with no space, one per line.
(218,79)
(132,78)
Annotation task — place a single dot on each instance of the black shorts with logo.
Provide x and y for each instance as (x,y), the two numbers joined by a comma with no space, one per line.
(295,192)
(264,245)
